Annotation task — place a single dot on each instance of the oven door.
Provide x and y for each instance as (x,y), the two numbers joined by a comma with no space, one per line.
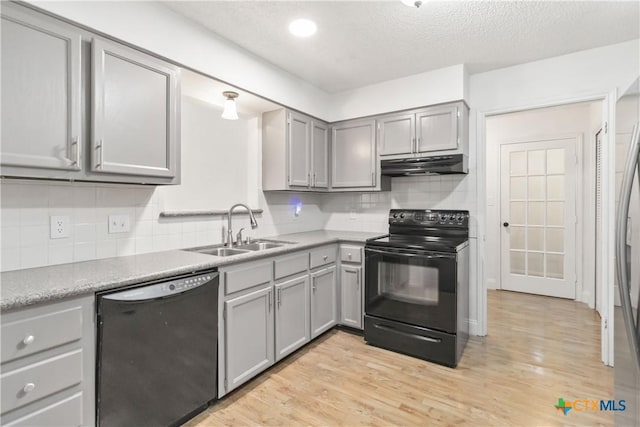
(411,286)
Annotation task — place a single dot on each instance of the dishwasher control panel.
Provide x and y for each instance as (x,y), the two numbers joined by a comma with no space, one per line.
(163,289)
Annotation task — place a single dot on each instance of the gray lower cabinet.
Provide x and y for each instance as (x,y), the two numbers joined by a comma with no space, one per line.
(292,315)
(249,334)
(323,300)
(41,92)
(351,296)
(48,365)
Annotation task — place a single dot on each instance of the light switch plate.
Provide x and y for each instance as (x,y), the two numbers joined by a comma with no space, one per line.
(59,227)
(119,224)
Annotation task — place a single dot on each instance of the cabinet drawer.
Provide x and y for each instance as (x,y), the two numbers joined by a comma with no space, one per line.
(247,276)
(33,382)
(351,253)
(28,336)
(67,412)
(322,256)
(292,264)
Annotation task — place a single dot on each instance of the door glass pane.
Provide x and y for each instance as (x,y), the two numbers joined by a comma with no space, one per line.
(555,239)
(535,238)
(518,163)
(535,213)
(555,213)
(517,262)
(555,266)
(536,162)
(555,161)
(555,187)
(518,212)
(516,237)
(518,188)
(408,282)
(536,187)
(535,265)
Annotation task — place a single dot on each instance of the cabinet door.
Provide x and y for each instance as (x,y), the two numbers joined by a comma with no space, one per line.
(249,335)
(437,129)
(351,293)
(299,146)
(319,155)
(41,89)
(135,112)
(353,154)
(292,315)
(397,134)
(323,300)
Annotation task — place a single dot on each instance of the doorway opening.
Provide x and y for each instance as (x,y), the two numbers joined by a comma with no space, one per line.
(542,208)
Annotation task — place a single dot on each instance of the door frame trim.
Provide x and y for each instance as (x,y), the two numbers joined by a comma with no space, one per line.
(608,224)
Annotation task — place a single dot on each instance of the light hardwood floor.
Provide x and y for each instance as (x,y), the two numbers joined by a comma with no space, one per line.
(538,349)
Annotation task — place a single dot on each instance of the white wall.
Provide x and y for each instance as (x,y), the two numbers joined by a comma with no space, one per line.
(154,27)
(220,162)
(570,120)
(428,88)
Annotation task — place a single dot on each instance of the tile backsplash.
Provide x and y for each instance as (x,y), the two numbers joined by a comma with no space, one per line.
(26,206)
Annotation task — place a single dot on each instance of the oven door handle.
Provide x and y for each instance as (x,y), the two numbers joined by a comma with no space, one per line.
(398,331)
(419,254)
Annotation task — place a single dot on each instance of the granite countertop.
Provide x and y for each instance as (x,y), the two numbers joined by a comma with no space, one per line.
(21,288)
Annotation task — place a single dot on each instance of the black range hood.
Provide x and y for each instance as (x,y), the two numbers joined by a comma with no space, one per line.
(433,165)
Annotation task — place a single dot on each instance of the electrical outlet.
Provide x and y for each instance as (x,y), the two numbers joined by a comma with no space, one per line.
(59,227)
(119,224)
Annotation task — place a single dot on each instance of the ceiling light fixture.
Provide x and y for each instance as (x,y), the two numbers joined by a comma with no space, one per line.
(230,112)
(303,27)
(412,3)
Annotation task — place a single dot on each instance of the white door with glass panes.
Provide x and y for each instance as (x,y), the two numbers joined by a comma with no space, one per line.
(538,217)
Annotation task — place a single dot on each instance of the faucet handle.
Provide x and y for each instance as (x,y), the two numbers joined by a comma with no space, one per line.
(239,236)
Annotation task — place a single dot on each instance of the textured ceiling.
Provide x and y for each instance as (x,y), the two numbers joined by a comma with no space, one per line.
(361,42)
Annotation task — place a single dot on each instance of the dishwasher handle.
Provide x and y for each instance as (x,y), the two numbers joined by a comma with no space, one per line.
(163,289)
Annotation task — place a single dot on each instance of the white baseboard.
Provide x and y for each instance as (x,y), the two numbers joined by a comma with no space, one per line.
(474,328)
(492,283)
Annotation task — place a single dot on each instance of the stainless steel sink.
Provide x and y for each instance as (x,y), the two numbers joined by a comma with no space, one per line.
(259,246)
(218,251)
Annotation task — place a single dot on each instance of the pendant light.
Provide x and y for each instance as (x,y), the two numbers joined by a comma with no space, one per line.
(230,112)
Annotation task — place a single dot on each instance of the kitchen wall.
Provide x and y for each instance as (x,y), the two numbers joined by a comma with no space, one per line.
(221,161)
(583,119)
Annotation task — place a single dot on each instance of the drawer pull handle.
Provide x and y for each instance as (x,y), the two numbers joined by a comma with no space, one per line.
(28,340)
(29,387)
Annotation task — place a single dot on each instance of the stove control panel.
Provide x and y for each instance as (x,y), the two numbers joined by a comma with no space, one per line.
(429,218)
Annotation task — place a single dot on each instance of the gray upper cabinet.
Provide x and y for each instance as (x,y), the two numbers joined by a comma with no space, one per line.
(319,155)
(249,333)
(295,152)
(41,92)
(323,300)
(437,129)
(134,112)
(353,154)
(292,315)
(397,134)
(299,143)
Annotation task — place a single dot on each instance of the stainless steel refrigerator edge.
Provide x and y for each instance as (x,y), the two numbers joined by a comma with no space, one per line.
(627,310)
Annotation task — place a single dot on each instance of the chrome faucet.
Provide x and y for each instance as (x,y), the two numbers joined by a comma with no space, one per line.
(252,220)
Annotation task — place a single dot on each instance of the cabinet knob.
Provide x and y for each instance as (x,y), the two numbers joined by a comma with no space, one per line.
(324,257)
(349,255)
(28,387)
(28,340)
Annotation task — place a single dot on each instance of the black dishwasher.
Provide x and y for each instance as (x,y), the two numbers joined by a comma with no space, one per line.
(157,351)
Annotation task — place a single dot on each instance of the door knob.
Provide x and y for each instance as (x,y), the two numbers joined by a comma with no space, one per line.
(505,224)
